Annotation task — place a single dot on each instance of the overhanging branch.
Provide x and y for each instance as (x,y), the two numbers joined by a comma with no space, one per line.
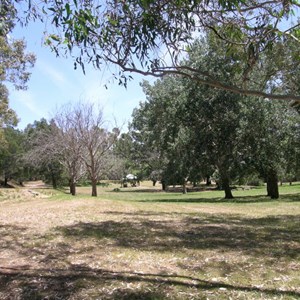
(206,79)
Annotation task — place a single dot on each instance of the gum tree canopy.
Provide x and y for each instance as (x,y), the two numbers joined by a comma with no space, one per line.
(153,37)
(15,65)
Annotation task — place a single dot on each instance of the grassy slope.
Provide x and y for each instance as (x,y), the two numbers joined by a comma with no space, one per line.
(135,244)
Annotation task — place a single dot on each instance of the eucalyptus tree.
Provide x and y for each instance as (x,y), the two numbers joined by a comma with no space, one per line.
(151,37)
(123,149)
(270,133)
(10,155)
(160,134)
(291,170)
(7,116)
(144,152)
(214,129)
(215,119)
(14,63)
(214,115)
(192,128)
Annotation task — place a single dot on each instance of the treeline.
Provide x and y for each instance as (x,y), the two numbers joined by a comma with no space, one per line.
(185,131)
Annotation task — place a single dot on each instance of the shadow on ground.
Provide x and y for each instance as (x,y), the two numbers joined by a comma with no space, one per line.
(237,199)
(65,283)
(272,236)
(48,273)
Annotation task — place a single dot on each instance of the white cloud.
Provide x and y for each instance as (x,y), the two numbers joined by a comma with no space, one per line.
(27,99)
(57,77)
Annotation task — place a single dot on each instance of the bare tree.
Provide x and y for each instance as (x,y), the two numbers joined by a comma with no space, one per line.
(66,142)
(96,141)
(78,139)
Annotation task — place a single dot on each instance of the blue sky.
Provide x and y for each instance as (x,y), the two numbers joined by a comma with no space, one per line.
(54,82)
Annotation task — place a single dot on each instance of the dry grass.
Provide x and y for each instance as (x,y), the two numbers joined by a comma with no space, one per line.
(135,244)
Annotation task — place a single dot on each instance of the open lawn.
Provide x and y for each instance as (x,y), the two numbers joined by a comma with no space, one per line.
(141,243)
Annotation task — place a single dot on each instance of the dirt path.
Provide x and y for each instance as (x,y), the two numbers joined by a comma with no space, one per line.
(38,184)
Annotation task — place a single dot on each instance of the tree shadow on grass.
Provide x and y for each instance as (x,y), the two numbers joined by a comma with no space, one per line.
(141,190)
(269,236)
(66,283)
(237,199)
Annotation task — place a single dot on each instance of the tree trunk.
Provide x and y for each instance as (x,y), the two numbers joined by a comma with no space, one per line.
(54,181)
(184,189)
(72,188)
(208,181)
(153,182)
(226,187)
(272,185)
(5,181)
(94,188)
(163,185)
(268,189)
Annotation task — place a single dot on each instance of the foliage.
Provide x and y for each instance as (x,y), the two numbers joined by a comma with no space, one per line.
(196,130)
(14,64)
(151,37)
(7,115)
(10,155)
(38,157)
(272,146)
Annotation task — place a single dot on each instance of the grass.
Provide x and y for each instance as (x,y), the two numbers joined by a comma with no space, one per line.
(146,244)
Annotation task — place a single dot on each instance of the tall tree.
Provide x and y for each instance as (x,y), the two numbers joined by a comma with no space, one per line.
(156,130)
(14,63)
(268,131)
(10,155)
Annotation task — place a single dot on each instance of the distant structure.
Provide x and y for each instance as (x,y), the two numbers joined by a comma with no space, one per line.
(130,179)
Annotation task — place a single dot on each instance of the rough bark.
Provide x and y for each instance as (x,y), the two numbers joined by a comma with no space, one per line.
(94,188)
(72,188)
(184,188)
(226,187)
(208,180)
(272,185)
(54,181)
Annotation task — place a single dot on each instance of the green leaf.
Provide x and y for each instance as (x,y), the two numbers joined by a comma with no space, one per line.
(68,9)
